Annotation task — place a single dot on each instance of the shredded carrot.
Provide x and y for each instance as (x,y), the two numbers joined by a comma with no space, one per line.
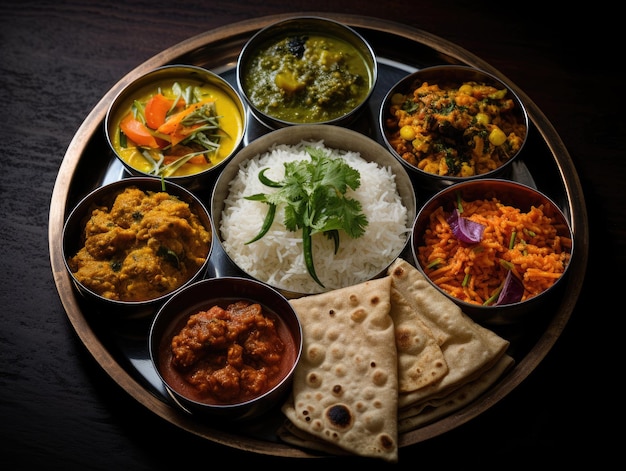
(472,273)
(174,121)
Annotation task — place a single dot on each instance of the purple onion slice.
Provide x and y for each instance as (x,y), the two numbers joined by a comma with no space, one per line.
(464,229)
(512,290)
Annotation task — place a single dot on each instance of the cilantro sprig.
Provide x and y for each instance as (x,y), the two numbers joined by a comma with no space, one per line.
(314,196)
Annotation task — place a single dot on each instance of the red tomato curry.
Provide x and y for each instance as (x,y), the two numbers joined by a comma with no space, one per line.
(227,355)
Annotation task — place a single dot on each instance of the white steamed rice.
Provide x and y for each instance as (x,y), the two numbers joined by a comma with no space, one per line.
(277,258)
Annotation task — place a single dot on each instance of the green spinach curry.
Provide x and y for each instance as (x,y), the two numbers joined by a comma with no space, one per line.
(307,79)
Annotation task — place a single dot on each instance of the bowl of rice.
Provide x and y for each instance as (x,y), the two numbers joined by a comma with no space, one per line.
(497,248)
(382,203)
(450,123)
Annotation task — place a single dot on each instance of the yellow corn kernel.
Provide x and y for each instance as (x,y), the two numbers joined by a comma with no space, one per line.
(397,99)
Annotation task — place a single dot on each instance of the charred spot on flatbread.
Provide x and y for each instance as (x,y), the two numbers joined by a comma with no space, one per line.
(384,357)
(339,416)
(386,442)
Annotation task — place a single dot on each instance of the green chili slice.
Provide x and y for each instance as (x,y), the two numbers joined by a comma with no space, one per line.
(267,223)
(435,262)
(266,181)
(307,248)
(466,280)
(512,240)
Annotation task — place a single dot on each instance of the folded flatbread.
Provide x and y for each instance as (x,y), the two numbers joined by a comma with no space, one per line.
(420,359)
(293,435)
(345,387)
(468,348)
(433,409)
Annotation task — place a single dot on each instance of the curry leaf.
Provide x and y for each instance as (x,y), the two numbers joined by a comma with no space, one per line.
(169,256)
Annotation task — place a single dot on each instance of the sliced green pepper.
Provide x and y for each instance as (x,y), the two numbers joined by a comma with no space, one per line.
(267,223)
(307,249)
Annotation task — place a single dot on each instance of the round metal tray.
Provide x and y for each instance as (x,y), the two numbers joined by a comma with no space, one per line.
(121,349)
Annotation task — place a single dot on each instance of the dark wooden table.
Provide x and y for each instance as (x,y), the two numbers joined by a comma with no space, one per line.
(60,410)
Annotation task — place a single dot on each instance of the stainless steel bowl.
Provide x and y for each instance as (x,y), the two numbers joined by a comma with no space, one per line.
(229,107)
(518,196)
(203,295)
(334,137)
(73,240)
(448,77)
(332,110)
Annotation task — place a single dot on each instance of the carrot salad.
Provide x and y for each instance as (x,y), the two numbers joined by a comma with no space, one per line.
(526,243)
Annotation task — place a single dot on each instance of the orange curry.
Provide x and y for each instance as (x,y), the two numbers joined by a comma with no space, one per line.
(226,356)
(147,244)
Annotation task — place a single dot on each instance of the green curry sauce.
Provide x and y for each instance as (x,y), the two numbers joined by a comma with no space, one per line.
(307,79)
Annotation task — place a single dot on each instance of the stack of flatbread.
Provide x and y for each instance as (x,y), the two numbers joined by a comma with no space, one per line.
(382,358)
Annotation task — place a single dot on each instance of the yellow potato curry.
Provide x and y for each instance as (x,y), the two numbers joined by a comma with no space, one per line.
(145,245)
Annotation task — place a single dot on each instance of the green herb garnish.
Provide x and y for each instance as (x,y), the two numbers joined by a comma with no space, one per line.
(466,280)
(313,193)
(459,202)
(169,256)
(435,263)
(512,239)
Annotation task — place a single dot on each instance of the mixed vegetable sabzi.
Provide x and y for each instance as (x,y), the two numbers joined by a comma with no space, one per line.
(455,131)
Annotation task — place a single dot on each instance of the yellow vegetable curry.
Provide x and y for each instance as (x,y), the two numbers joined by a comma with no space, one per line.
(177,128)
(143,247)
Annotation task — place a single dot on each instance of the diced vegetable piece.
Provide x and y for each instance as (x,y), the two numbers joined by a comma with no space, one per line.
(497,136)
(288,82)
